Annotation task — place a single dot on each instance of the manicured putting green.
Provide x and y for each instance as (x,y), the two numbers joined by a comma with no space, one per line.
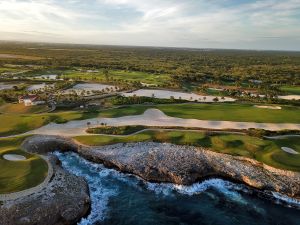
(23,174)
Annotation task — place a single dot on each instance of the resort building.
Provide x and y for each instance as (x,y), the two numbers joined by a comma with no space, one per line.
(30,100)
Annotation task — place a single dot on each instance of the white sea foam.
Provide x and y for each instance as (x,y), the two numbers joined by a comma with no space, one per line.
(286,199)
(98,177)
(225,187)
(94,175)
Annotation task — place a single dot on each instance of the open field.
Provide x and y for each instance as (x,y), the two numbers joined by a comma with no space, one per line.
(266,151)
(15,56)
(154,79)
(19,175)
(293,90)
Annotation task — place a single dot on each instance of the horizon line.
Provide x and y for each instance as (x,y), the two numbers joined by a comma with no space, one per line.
(148,46)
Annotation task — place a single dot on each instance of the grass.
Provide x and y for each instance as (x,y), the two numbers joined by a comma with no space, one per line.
(214,92)
(216,111)
(14,56)
(12,124)
(4,69)
(22,109)
(293,90)
(16,123)
(121,130)
(155,79)
(19,175)
(266,151)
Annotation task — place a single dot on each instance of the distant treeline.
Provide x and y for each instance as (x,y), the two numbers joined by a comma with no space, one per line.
(183,65)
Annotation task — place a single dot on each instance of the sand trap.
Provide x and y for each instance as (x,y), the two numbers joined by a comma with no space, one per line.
(4,86)
(154,117)
(216,89)
(47,77)
(14,157)
(289,150)
(39,87)
(267,107)
(164,94)
(290,97)
(89,87)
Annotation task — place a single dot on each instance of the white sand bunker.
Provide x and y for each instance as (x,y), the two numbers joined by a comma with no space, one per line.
(290,97)
(289,150)
(154,117)
(267,107)
(14,157)
(165,94)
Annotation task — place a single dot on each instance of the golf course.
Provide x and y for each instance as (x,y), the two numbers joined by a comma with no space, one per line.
(263,150)
(22,174)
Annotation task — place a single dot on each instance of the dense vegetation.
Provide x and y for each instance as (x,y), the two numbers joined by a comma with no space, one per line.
(182,65)
(121,130)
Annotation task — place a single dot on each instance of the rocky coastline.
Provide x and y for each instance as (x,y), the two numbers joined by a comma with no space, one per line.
(185,165)
(63,201)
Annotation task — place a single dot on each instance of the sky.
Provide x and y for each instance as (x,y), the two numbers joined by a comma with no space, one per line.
(235,24)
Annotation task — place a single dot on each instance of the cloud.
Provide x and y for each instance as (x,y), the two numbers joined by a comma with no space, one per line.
(189,23)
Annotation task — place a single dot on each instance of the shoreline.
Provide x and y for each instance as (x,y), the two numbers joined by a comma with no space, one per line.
(175,164)
(64,199)
(151,162)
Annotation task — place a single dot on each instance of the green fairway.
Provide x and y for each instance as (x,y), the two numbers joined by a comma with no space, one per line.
(155,79)
(266,151)
(22,109)
(216,111)
(20,123)
(293,90)
(19,175)
(16,123)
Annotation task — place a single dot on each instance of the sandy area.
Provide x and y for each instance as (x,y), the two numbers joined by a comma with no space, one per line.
(47,77)
(154,117)
(14,157)
(79,88)
(290,97)
(267,107)
(163,94)
(216,89)
(37,86)
(4,86)
(8,56)
(290,150)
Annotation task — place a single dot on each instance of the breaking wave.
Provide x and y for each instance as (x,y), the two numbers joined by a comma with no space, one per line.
(101,183)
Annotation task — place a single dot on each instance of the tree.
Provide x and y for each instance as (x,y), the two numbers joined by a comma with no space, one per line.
(216,99)
(106,74)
